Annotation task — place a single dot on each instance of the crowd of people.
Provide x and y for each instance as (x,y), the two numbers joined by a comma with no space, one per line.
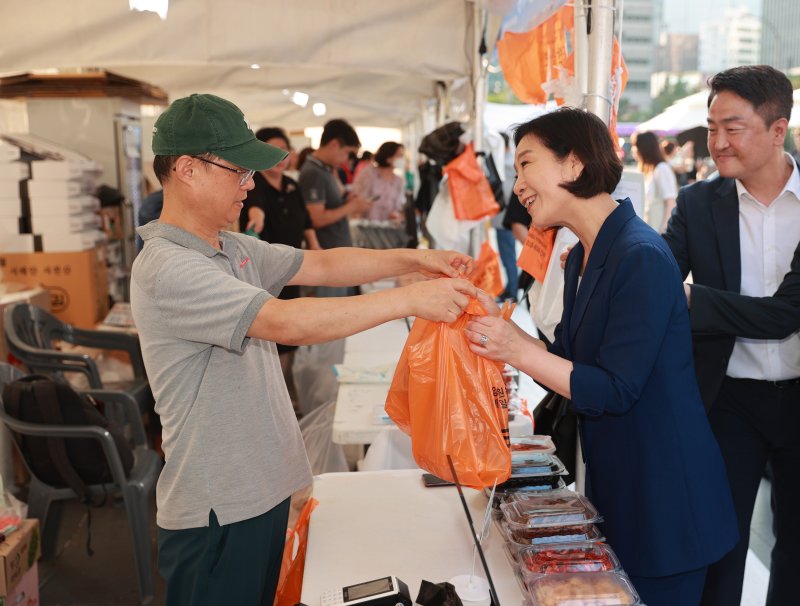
(684,392)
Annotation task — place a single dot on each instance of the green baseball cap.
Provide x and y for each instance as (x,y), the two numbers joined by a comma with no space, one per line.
(203,123)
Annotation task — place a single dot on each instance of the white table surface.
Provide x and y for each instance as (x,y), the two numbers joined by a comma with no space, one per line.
(354,418)
(374,524)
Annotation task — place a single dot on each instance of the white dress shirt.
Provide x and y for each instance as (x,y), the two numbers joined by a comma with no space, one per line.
(768,237)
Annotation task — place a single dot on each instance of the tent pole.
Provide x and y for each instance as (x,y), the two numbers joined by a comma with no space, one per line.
(599,17)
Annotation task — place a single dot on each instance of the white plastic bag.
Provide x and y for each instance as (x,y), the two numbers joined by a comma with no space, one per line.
(447,231)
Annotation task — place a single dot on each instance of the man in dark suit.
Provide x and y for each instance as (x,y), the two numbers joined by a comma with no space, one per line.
(737,233)
(725,312)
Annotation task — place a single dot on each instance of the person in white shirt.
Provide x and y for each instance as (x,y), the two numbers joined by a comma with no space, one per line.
(660,183)
(738,233)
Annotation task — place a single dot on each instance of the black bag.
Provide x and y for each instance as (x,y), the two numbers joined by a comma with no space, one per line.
(61,462)
(553,417)
(443,144)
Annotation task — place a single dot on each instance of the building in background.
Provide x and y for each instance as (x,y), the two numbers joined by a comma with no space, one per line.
(780,46)
(677,53)
(733,40)
(641,28)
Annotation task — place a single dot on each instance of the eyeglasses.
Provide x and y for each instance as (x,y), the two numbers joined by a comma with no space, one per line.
(244,175)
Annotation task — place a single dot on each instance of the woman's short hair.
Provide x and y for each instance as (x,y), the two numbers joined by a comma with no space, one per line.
(571,130)
(385,153)
(648,148)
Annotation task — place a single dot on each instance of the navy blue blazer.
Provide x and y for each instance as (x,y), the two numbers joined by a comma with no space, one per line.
(653,467)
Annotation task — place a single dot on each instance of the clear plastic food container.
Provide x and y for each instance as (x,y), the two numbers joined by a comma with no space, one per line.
(524,445)
(519,539)
(538,511)
(537,464)
(536,560)
(532,485)
(583,589)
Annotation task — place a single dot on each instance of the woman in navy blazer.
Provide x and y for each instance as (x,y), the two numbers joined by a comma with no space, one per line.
(622,354)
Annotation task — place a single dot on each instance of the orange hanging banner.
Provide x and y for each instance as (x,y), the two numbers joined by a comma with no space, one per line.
(530,59)
(536,252)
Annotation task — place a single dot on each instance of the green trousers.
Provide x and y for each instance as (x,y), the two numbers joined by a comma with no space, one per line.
(221,565)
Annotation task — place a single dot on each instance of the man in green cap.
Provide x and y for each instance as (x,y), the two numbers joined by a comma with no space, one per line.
(205,304)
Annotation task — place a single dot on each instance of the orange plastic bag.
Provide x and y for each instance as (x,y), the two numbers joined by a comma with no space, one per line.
(486,274)
(536,252)
(470,191)
(290,582)
(452,401)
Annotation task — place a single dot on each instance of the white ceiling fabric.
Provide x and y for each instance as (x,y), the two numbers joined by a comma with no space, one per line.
(371,61)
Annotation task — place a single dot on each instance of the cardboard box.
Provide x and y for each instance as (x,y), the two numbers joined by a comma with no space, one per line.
(57,189)
(26,593)
(63,206)
(76,280)
(14,171)
(18,554)
(61,242)
(9,189)
(59,170)
(66,224)
(20,243)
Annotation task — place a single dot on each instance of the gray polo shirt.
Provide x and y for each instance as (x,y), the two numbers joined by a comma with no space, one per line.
(230,435)
(318,185)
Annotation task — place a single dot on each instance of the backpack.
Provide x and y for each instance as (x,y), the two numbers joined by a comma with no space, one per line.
(59,462)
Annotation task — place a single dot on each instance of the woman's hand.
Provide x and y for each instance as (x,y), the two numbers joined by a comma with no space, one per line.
(496,339)
(488,303)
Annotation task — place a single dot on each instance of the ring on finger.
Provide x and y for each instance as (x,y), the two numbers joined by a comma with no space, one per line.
(484,339)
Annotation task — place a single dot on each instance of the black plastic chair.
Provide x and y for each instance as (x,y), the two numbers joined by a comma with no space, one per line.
(135,489)
(32,334)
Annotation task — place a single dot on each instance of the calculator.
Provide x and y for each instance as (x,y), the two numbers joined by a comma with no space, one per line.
(386,591)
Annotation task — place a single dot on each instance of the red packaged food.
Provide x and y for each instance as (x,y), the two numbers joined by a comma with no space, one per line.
(576,557)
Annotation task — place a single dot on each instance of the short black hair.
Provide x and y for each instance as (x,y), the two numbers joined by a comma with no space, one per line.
(341,131)
(163,165)
(386,151)
(571,130)
(273,132)
(768,90)
(649,150)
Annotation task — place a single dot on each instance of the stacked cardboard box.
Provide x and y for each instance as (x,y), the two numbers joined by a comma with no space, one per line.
(63,209)
(13,211)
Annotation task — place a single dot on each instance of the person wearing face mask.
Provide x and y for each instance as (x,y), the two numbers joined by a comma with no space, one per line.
(380,183)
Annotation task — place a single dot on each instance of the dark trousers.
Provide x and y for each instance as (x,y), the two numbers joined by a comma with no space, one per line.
(219,565)
(684,589)
(506,246)
(756,422)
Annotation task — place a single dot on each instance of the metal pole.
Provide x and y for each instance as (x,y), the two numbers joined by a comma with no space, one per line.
(599,15)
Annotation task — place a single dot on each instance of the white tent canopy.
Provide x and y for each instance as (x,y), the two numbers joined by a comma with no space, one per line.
(692,111)
(373,63)
(686,113)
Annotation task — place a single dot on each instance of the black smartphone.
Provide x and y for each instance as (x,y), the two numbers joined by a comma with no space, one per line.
(431,481)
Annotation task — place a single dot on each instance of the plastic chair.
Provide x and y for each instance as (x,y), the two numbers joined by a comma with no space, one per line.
(134,489)
(31,334)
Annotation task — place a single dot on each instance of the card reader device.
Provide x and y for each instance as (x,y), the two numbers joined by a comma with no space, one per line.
(386,591)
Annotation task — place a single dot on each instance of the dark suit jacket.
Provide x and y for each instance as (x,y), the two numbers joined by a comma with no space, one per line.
(653,467)
(703,234)
(775,317)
